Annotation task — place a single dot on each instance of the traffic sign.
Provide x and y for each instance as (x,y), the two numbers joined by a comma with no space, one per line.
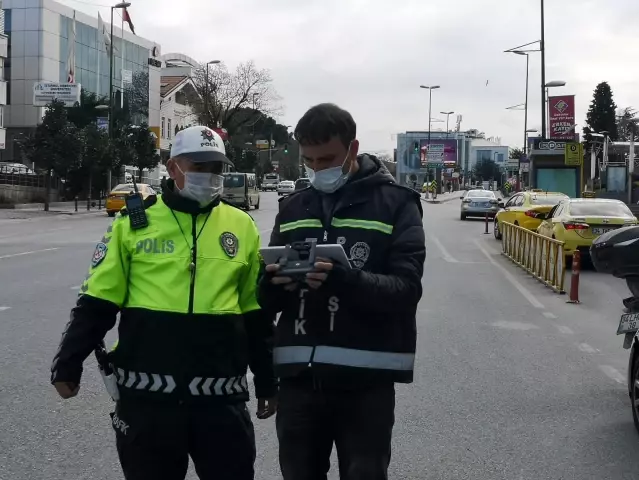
(574,153)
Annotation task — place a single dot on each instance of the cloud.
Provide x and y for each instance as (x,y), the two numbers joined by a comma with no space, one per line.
(370,56)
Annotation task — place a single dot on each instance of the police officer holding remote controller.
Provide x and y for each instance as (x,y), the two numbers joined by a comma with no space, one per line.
(345,335)
(182,271)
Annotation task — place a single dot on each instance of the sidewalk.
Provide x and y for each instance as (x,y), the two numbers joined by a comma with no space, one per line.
(443,197)
(36,210)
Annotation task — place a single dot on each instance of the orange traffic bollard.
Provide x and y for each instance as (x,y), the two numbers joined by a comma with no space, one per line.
(574,278)
(486,231)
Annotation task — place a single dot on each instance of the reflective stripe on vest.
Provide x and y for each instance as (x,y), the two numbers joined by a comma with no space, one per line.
(363,224)
(347,357)
(155,382)
(306,223)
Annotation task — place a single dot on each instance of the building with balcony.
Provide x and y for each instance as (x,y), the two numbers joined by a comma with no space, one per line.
(39,33)
(177,93)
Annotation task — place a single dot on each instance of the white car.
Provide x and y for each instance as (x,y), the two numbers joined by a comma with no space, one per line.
(285,187)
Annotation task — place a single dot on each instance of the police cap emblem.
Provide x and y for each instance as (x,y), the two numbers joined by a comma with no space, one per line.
(99,254)
(229,243)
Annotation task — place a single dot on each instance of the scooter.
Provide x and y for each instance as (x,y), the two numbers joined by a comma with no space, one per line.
(617,253)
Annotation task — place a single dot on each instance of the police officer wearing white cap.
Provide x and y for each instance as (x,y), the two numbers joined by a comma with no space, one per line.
(184,283)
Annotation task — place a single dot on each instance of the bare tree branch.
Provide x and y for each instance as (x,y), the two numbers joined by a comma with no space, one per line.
(230,94)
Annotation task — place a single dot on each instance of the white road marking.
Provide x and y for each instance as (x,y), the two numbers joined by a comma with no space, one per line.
(3,308)
(566,330)
(27,253)
(584,347)
(514,325)
(447,256)
(549,315)
(509,276)
(76,287)
(266,231)
(613,373)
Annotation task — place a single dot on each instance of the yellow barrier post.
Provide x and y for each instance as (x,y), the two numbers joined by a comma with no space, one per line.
(540,256)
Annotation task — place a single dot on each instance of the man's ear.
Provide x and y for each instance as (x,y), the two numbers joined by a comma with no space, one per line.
(354,148)
(170,167)
(352,155)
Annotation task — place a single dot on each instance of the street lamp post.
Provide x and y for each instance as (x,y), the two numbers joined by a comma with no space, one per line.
(548,86)
(526,52)
(542,49)
(118,6)
(430,100)
(448,114)
(206,97)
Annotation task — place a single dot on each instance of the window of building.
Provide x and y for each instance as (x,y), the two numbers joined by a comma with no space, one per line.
(162,133)
(168,130)
(500,157)
(484,155)
(1,117)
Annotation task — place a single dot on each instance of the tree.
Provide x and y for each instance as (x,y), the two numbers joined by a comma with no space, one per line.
(486,169)
(85,112)
(138,148)
(626,124)
(96,156)
(55,146)
(234,98)
(601,116)
(516,153)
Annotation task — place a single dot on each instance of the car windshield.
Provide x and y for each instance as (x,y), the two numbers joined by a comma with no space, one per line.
(546,199)
(233,181)
(481,194)
(599,209)
(124,187)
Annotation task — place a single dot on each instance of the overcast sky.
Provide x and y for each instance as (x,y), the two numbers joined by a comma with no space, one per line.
(370,56)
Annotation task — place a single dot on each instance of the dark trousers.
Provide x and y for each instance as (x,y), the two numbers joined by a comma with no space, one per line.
(359,422)
(154,442)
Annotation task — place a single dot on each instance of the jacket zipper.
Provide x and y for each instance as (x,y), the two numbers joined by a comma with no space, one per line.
(193,262)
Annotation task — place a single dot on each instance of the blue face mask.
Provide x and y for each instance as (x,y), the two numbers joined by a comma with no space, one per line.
(329,180)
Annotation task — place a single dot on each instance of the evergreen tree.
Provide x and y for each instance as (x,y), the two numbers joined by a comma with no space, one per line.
(601,115)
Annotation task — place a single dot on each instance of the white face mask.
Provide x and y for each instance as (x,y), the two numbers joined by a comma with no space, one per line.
(203,187)
(329,180)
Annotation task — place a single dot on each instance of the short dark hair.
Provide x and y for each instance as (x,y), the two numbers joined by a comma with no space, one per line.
(323,122)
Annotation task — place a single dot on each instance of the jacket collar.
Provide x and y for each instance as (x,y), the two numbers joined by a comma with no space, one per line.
(172,198)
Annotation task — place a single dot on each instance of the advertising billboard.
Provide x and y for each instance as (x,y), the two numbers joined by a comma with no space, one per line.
(439,153)
(44,93)
(561,117)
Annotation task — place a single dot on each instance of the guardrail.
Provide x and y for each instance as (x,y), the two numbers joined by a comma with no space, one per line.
(540,256)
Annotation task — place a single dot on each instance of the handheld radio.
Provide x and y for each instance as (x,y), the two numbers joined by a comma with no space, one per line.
(135,208)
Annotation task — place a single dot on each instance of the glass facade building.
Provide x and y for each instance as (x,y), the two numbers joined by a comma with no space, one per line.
(40,32)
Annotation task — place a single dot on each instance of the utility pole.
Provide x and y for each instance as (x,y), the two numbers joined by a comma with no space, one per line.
(542,49)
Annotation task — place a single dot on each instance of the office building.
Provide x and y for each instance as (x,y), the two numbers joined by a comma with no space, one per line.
(40,32)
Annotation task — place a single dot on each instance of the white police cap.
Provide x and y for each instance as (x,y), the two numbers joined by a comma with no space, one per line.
(199,144)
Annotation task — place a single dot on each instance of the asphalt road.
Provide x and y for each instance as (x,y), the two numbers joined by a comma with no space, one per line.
(511,382)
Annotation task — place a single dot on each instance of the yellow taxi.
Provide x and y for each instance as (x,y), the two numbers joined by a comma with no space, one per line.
(524,209)
(578,221)
(115,200)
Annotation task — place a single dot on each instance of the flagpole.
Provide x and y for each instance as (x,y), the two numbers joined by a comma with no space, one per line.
(97,46)
(122,69)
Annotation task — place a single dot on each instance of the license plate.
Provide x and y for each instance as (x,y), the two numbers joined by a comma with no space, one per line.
(600,230)
(629,323)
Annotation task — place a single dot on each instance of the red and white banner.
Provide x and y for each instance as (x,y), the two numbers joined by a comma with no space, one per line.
(561,117)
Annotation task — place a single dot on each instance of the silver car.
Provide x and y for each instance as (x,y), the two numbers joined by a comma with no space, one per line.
(478,203)
(285,187)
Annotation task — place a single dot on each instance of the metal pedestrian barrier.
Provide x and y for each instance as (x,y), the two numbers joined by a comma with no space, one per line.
(540,256)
